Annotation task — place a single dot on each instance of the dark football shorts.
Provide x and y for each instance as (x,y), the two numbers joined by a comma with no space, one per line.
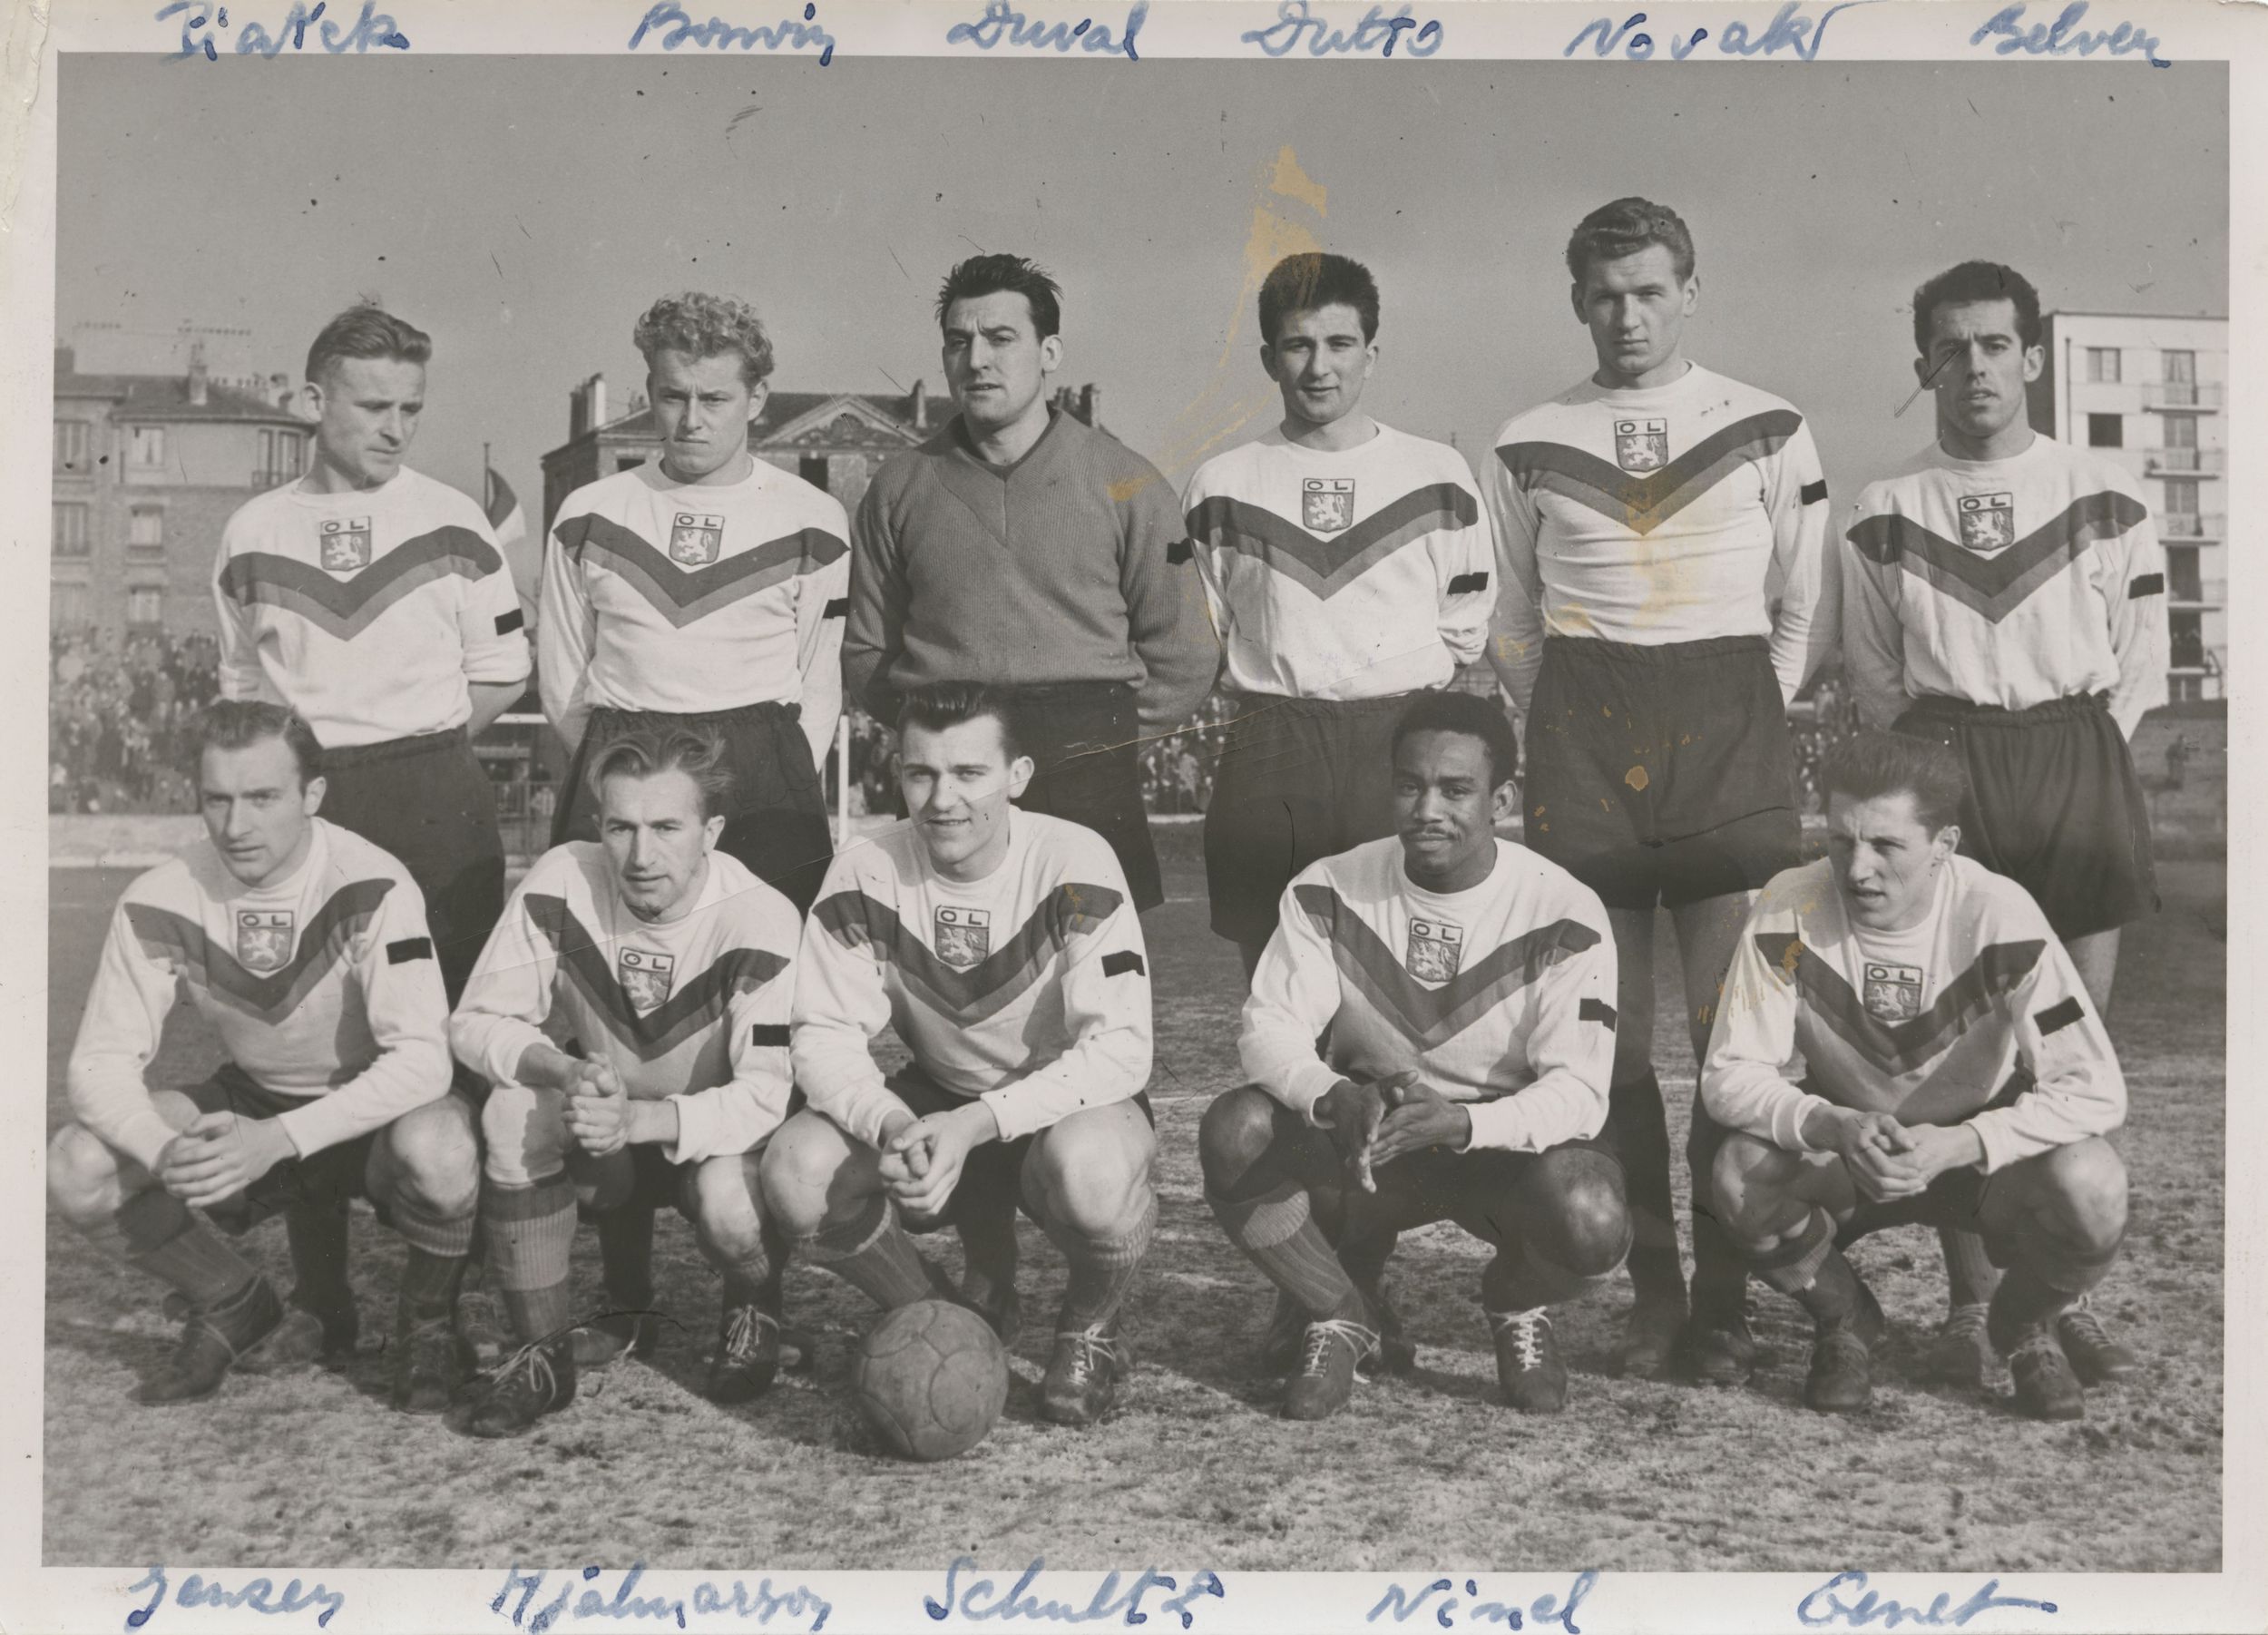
(1661,774)
(2053,804)
(332,1176)
(1085,740)
(992,1179)
(777,824)
(427,803)
(1299,779)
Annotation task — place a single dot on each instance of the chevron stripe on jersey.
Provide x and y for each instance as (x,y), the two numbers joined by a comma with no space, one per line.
(1996,585)
(345,608)
(1324,565)
(683,595)
(689,1010)
(1430,1017)
(1643,504)
(1071,909)
(1899,1048)
(171,939)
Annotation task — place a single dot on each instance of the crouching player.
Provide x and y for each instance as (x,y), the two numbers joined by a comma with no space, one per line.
(305,948)
(668,964)
(1002,946)
(1464,988)
(1959,1076)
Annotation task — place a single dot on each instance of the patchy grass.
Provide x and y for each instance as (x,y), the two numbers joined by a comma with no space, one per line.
(1194,1467)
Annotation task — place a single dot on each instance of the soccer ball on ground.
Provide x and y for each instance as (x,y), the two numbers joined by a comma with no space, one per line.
(930,1379)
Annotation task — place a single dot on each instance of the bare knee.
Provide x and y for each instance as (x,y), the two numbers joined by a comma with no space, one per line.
(1091,1173)
(434,1157)
(1746,1183)
(723,1194)
(2090,1184)
(801,1167)
(1584,1195)
(85,1181)
(1234,1135)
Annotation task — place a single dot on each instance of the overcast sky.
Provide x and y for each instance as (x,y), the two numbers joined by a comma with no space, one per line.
(525,210)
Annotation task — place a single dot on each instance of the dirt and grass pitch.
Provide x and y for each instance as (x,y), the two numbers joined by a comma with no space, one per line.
(1194,1469)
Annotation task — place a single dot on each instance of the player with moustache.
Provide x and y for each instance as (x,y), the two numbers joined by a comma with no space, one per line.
(1666,592)
(1024,549)
(1347,567)
(373,601)
(1003,947)
(704,589)
(668,965)
(1462,988)
(2007,597)
(1904,1039)
(306,949)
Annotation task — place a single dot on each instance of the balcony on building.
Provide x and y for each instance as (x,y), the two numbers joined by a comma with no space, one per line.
(2203,396)
(2183,524)
(2192,461)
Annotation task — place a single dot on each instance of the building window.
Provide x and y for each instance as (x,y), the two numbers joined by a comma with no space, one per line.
(145,531)
(72,536)
(812,468)
(69,607)
(2181,432)
(2183,581)
(2186,689)
(2181,496)
(72,445)
(2102,364)
(148,446)
(2185,639)
(2181,368)
(282,454)
(145,606)
(2106,431)
(629,462)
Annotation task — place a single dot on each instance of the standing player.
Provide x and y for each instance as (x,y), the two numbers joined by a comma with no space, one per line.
(1904,1039)
(2006,598)
(1023,549)
(668,965)
(705,590)
(1000,945)
(1666,592)
(373,601)
(1463,986)
(305,948)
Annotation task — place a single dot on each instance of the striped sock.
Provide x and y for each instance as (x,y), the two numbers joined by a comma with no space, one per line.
(531,1232)
(159,1234)
(1102,1268)
(1278,1232)
(1812,1271)
(448,1237)
(872,1252)
(1969,1275)
(429,1283)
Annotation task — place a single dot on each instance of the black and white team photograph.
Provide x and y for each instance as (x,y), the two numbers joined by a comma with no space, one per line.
(1278,815)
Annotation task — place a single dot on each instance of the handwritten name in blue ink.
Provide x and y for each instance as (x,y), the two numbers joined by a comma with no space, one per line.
(1405,1602)
(1825,1605)
(1789,30)
(673,26)
(258,1596)
(1295,26)
(1002,21)
(2064,37)
(979,1602)
(200,19)
(708,1599)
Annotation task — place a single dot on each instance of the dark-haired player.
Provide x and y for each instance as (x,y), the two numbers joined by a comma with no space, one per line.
(1001,946)
(1023,548)
(2007,597)
(1904,1039)
(705,589)
(1666,592)
(305,948)
(373,601)
(669,965)
(1464,989)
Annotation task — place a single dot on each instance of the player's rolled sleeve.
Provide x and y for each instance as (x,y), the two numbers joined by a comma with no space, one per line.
(566,628)
(409,1021)
(1807,625)
(1166,616)
(2136,599)
(1294,995)
(841,1003)
(1107,1011)
(508,996)
(1571,1051)
(1744,1081)
(1873,635)
(118,1036)
(742,1113)
(490,624)
(2076,1091)
(821,601)
(1467,557)
(1516,630)
(874,631)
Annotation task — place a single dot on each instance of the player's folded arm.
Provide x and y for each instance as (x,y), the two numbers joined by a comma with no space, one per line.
(2077,1088)
(1294,995)
(1744,1083)
(1571,1051)
(736,1115)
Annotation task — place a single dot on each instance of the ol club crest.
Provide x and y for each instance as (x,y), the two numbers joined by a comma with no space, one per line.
(965,936)
(263,939)
(645,974)
(345,545)
(1988,522)
(1436,948)
(694,539)
(1641,444)
(1893,992)
(1326,505)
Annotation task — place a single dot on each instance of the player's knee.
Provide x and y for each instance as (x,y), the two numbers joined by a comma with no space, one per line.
(1091,1178)
(1593,1218)
(83,1180)
(799,1169)
(436,1158)
(1234,1133)
(723,1195)
(2091,1180)
(1743,1184)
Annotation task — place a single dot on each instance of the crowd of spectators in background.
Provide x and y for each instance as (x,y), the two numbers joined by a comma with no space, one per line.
(113,708)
